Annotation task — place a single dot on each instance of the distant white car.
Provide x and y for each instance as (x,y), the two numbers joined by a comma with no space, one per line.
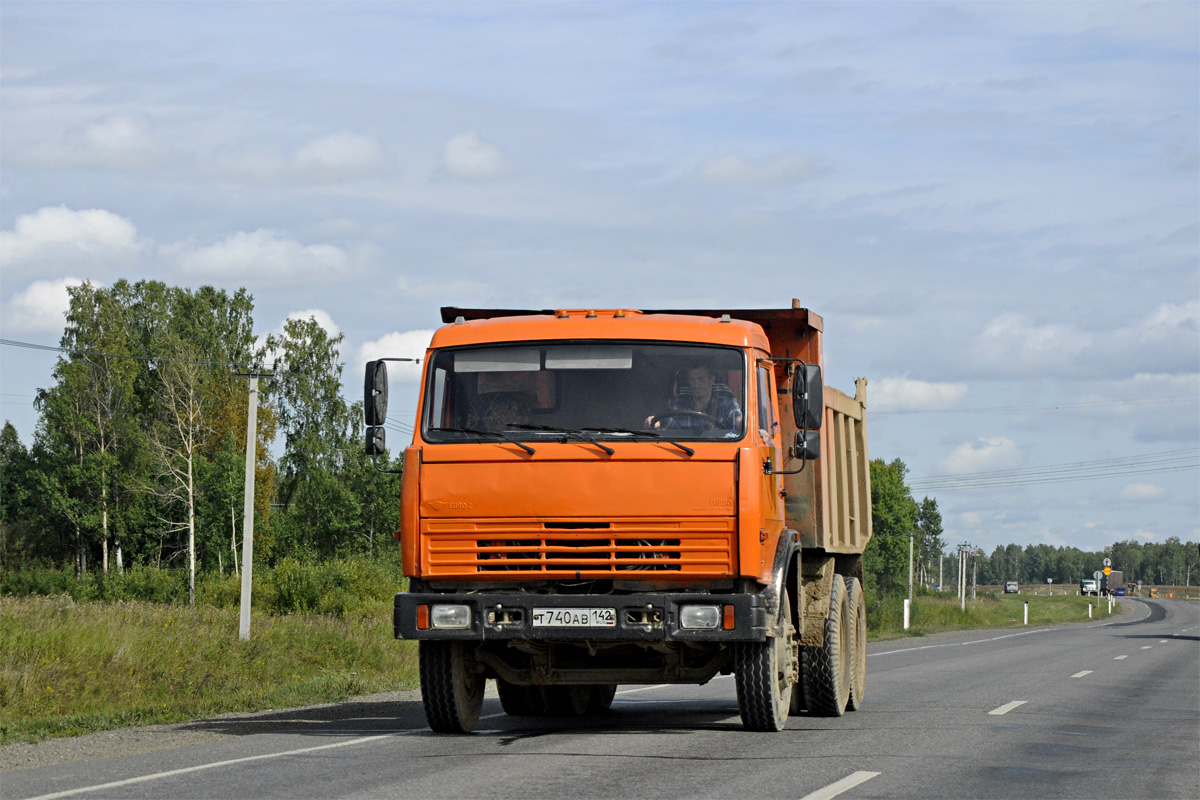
(1012,587)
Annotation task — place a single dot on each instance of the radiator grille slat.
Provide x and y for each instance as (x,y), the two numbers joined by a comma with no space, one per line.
(462,548)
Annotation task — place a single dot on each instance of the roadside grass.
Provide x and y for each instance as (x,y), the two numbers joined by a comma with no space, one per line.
(940,613)
(68,668)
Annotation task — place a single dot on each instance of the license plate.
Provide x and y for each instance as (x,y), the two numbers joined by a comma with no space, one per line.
(574,617)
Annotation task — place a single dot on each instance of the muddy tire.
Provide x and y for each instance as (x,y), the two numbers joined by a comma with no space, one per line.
(520,701)
(602,698)
(765,676)
(451,689)
(826,668)
(858,669)
(567,701)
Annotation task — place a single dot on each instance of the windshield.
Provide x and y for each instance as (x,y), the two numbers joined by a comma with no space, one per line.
(590,390)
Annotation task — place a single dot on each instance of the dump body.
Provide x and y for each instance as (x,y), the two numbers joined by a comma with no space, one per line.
(1113,581)
(611,496)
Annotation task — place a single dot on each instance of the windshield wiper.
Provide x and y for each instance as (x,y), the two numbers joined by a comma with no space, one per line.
(565,433)
(478,432)
(651,434)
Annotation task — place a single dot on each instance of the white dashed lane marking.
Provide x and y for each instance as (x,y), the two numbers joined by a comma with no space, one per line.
(1007,707)
(834,789)
(1081,674)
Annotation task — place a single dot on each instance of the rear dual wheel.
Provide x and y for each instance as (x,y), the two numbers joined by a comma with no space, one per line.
(827,668)
(857,612)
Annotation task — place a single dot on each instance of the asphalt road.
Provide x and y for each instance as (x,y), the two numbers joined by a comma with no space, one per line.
(1109,709)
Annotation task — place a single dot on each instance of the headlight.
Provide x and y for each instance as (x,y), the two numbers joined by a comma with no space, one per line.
(450,617)
(702,618)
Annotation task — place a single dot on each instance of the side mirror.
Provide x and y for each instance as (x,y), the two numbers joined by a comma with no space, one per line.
(376,440)
(808,398)
(375,391)
(807,446)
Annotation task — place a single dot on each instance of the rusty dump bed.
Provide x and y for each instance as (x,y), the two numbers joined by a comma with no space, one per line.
(829,503)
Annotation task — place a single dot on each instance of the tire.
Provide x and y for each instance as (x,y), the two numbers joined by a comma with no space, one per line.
(451,689)
(567,701)
(520,701)
(602,698)
(826,669)
(858,615)
(765,676)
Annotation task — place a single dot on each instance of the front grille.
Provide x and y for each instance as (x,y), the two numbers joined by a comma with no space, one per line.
(696,548)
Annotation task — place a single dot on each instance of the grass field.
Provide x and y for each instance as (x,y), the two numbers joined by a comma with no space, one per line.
(70,667)
(937,613)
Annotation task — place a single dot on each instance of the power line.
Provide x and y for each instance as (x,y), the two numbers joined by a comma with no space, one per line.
(1152,463)
(97,354)
(1183,398)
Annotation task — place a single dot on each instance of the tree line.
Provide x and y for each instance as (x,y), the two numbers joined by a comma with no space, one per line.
(895,513)
(138,453)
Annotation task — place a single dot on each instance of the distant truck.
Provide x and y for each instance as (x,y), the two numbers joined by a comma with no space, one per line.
(603,497)
(1087,586)
(1109,584)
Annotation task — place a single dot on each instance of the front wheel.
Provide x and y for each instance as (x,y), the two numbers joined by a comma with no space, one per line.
(451,688)
(766,676)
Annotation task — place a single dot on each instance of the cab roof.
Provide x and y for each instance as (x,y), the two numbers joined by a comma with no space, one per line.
(480,326)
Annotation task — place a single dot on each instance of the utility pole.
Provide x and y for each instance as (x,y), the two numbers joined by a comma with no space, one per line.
(910,565)
(974,571)
(248,509)
(941,583)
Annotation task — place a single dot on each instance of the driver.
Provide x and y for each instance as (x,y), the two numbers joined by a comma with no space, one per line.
(720,406)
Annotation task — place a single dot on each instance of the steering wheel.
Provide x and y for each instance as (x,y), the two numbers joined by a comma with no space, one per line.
(712,421)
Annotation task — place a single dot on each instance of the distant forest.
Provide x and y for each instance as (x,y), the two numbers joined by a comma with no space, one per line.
(139,458)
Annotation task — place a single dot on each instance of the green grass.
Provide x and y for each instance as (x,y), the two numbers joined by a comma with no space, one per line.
(68,667)
(939,613)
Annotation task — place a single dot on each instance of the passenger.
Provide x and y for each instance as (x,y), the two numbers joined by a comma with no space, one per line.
(702,404)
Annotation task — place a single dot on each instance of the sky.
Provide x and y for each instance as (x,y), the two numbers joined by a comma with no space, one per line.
(995,207)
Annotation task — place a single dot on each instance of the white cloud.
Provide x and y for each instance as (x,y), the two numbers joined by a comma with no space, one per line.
(40,308)
(117,141)
(339,155)
(983,454)
(1169,319)
(320,315)
(902,394)
(731,170)
(400,344)
(1011,343)
(263,255)
(1143,491)
(58,233)
(468,157)
(971,519)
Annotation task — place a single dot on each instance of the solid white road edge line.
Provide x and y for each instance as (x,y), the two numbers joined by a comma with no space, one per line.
(200,767)
(1007,707)
(957,644)
(834,789)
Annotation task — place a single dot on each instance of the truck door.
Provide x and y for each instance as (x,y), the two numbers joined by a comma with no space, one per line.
(770,449)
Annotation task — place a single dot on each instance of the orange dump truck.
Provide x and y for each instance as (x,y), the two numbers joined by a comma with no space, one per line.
(603,497)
